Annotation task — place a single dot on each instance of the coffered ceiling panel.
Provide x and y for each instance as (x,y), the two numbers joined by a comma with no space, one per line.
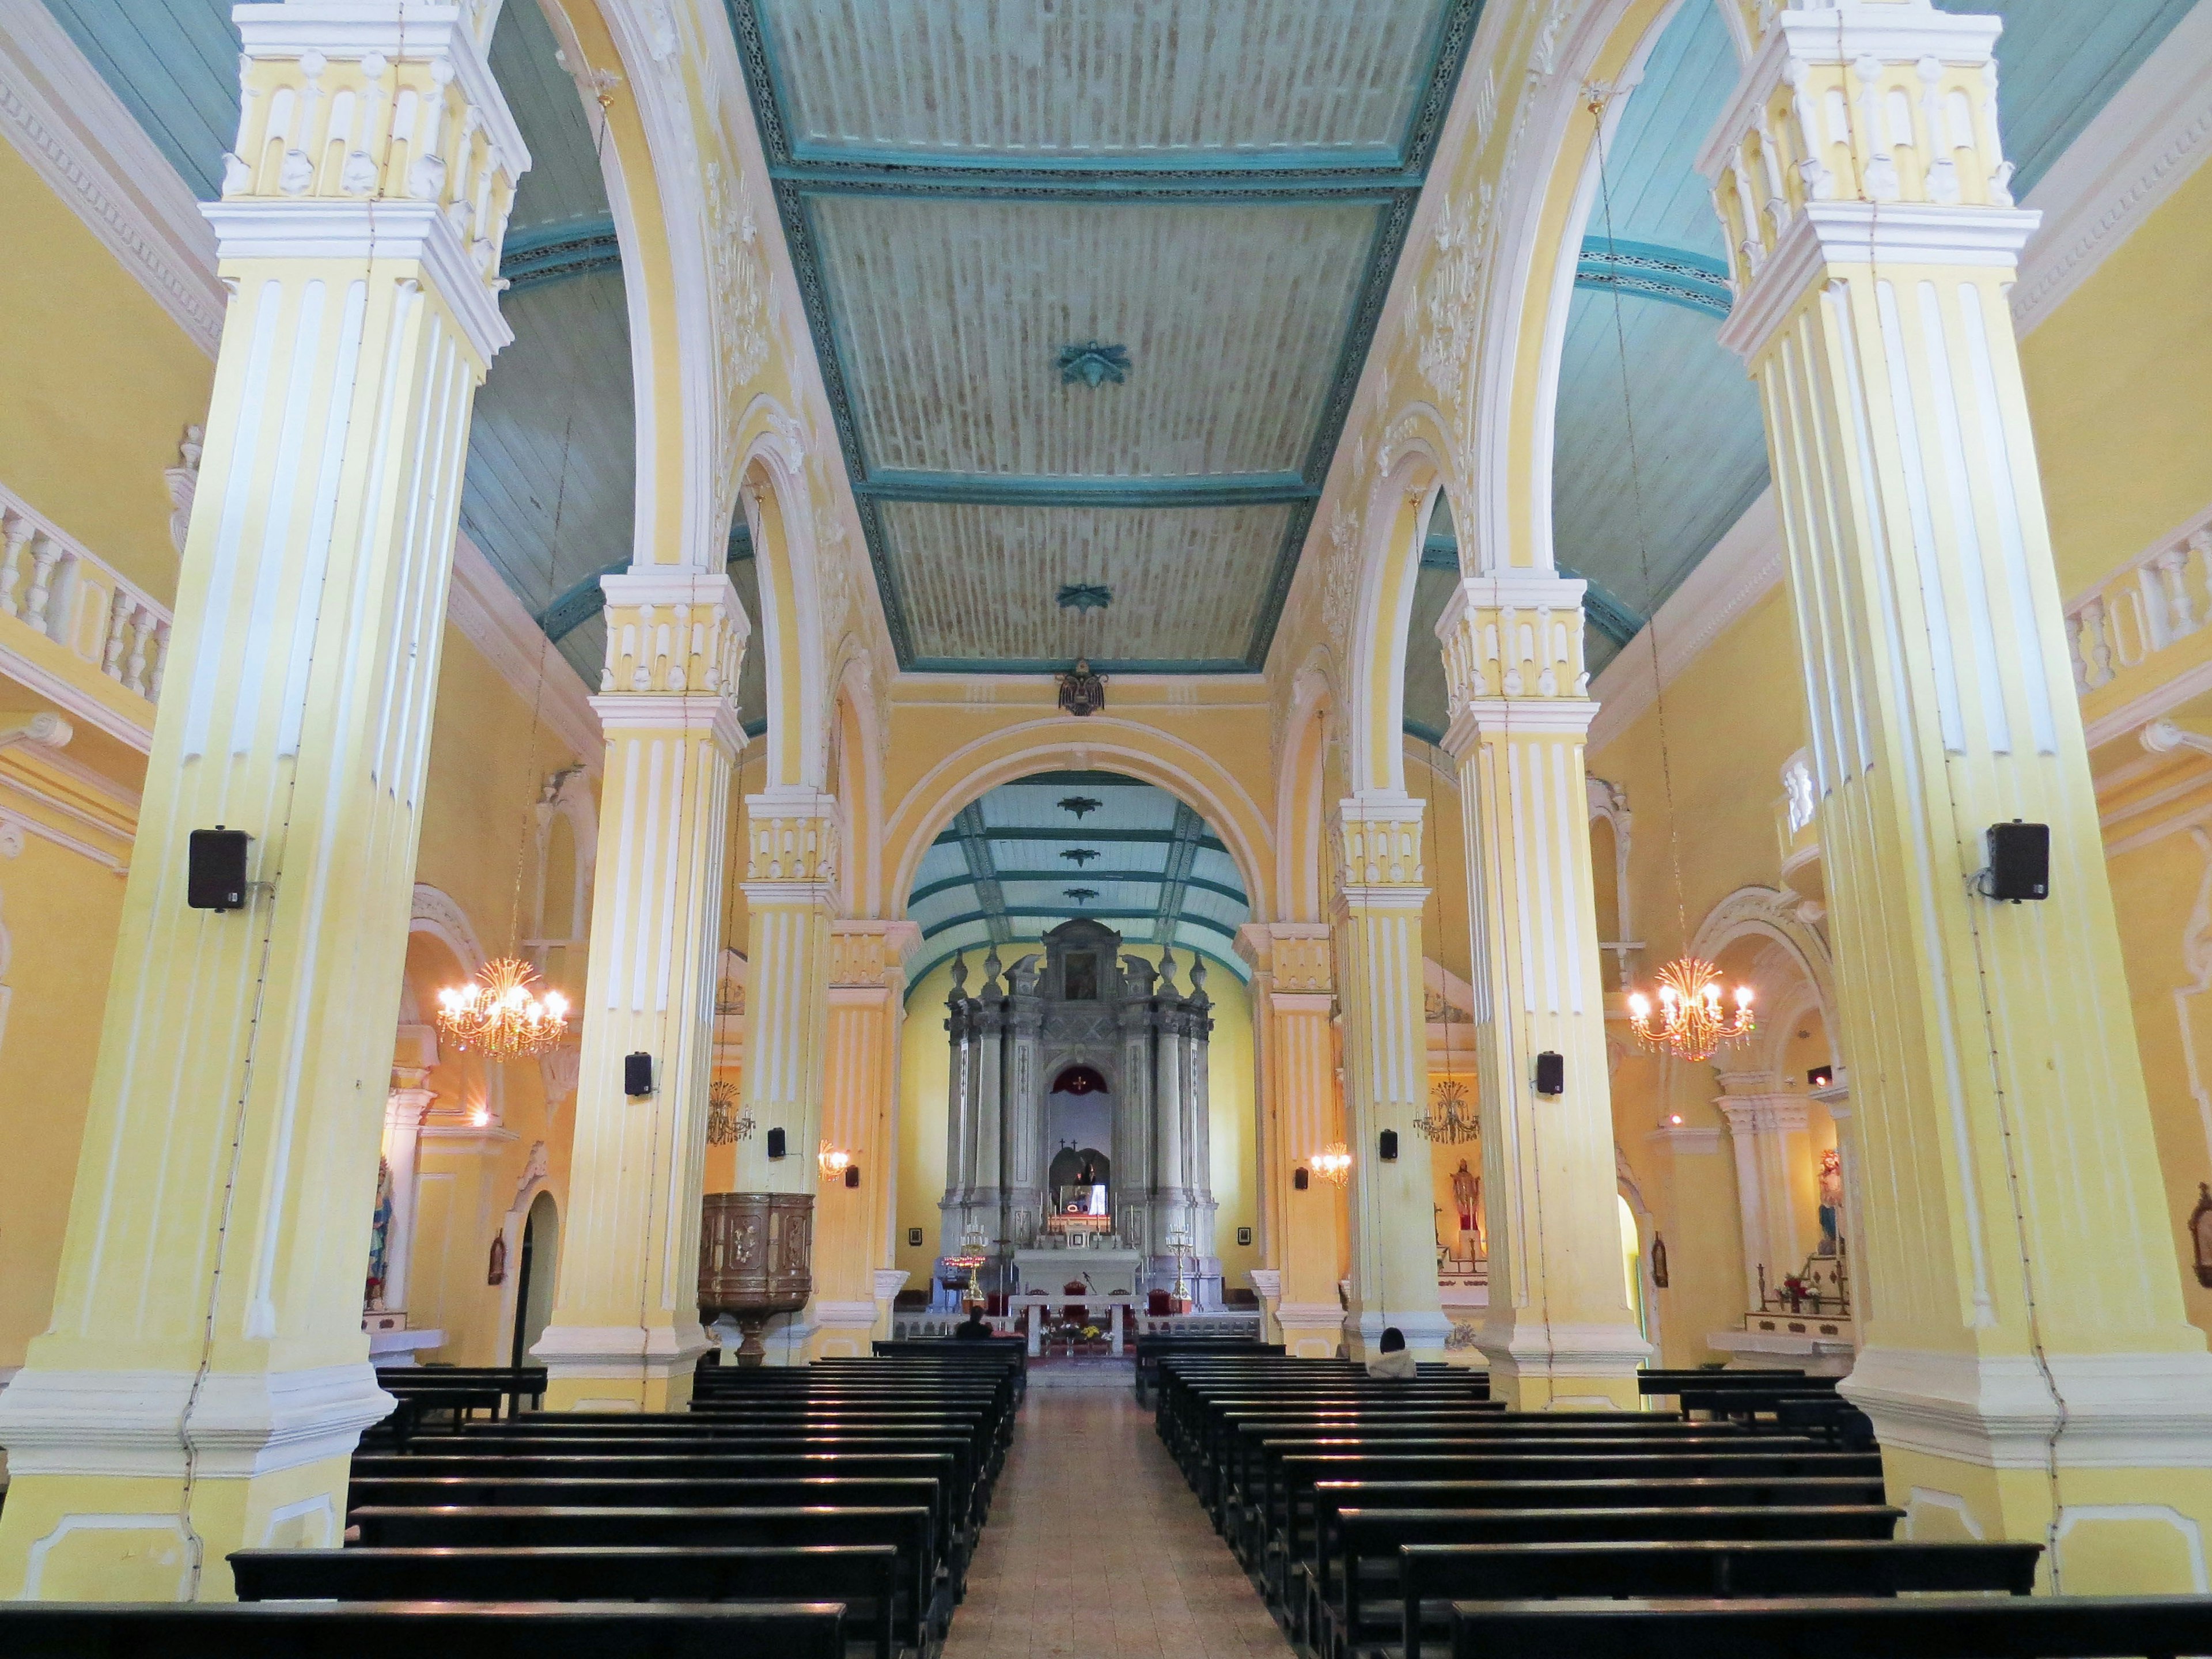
(952,317)
(1100,82)
(982,580)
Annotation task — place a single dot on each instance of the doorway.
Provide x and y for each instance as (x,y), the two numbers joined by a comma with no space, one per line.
(534,1277)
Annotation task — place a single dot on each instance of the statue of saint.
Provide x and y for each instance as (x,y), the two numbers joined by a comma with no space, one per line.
(379,1239)
(1832,1199)
(1467,1199)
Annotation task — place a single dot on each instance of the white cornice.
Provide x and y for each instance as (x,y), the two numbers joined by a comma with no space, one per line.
(493,620)
(79,137)
(2146,140)
(1740,569)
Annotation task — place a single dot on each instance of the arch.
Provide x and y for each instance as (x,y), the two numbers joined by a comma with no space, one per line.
(854,774)
(1101,743)
(1412,468)
(534,1182)
(780,514)
(566,802)
(1770,914)
(1301,804)
(435,913)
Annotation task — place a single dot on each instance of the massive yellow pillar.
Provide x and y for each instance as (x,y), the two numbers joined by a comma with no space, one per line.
(625,1331)
(1559,1331)
(1302,1234)
(2027,1363)
(853,1222)
(206,1376)
(1374,840)
(791,886)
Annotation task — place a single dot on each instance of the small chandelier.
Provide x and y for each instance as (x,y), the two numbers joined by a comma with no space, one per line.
(1689,1022)
(1333,1163)
(1449,1121)
(499,1013)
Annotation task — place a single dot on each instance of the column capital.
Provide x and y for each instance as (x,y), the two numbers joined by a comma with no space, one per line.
(792,845)
(1295,955)
(1862,131)
(673,631)
(332,175)
(407,1107)
(870,953)
(1374,844)
(1513,657)
(1755,1115)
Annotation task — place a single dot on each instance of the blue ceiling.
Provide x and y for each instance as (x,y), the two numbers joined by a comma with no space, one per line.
(1027,856)
(973,190)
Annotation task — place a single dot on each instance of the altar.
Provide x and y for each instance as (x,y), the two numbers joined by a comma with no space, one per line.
(1102,1272)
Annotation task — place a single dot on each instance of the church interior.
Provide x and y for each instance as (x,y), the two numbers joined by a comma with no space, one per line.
(1292,780)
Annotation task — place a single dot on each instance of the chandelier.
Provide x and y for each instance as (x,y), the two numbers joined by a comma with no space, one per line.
(725,1126)
(1449,1120)
(1333,1163)
(500,1013)
(1690,1022)
(834,1160)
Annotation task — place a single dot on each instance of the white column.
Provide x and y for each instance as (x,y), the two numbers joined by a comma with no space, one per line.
(405,1109)
(1766,1130)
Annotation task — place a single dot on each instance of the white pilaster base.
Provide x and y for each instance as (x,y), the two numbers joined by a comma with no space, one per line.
(1424,1333)
(620,1353)
(1530,1348)
(2121,1410)
(242,1424)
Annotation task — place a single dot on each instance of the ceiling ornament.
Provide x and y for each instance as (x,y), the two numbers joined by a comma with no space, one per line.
(1079,856)
(1094,364)
(1082,691)
(1084,596)
(1081,806)
(1080,895)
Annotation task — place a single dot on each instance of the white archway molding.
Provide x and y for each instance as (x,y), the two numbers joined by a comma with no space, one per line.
(1303,735)
(857,738)
(569,800)
(436,914)
(1769,914)
(1101,743)
(780,514)
(1410,467)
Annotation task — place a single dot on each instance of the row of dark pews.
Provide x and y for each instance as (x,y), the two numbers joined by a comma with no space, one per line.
(1749,1518)
(823,1513)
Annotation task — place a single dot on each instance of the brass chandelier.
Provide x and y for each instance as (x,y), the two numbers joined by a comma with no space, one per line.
(1689,1021)
(501,1013)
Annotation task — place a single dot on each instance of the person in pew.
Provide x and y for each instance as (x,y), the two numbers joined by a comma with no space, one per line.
(1396,1359)
(972,1329)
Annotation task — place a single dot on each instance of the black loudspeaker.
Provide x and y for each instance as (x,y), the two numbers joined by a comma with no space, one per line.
(1300,1179)
(1389,1146)
(214,869)
(775,1143)
(852,1175)
(2020,861)
(1551,1073)
(637,1075)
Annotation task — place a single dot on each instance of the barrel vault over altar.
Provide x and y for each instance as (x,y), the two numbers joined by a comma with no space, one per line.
(1077,1139)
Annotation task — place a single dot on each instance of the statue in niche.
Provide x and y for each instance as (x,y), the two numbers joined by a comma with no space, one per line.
(379,1239)
(1832,1200)
(1467,1199)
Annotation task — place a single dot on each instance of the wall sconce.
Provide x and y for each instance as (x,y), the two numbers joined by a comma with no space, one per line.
(1333,1163)
(834,1161)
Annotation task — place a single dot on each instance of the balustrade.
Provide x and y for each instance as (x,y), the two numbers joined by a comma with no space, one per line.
(61,589)
(2163,596)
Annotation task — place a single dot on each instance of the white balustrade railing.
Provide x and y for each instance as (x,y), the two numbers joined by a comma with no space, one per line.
(2163,596)
(59,587)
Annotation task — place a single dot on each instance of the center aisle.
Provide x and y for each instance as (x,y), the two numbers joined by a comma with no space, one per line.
(1096,1545)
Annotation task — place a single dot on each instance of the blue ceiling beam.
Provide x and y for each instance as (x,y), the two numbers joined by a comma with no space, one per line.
(1014,489)
(546,254)
(1067,912)
(1074,837)
(1646,271)
(1018,877)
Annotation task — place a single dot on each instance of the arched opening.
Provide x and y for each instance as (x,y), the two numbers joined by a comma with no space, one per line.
(1079,929)
(536,1273)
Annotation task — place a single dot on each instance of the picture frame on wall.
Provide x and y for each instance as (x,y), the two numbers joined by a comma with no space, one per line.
(914,1238)
(1244,1235)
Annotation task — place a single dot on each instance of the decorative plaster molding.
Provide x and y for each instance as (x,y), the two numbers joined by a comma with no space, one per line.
(83,140)
(492,619)
(1682,1139)
(2119,169)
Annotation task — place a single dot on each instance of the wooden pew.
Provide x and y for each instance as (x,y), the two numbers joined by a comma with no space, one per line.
(377,1630)
(1850,1508)
(1366,1535)
(1431,1576)
(923,1604)
(1952,1627)
(864,1577)
(518,1383)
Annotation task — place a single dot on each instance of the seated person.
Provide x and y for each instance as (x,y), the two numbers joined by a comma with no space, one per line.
(972,1329)
(1396,1359)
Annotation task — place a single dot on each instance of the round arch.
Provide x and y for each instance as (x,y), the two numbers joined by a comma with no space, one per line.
(1412,469)
(780,514)
(1103,744)
(1301,792)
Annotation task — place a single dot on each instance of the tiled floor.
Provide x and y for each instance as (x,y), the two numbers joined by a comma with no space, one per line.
(1096,1546)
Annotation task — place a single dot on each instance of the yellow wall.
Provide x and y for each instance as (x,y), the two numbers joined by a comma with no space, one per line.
(924,1064)
(100,384)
